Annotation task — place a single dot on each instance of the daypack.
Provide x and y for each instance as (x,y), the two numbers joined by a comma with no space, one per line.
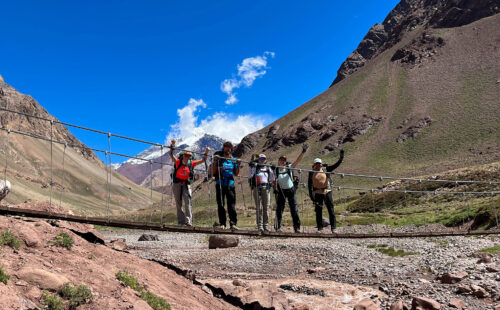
(253,179)
(294,178)
(191,172)
(225,174)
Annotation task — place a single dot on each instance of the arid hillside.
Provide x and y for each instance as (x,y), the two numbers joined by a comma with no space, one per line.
(79,177)
(425,101)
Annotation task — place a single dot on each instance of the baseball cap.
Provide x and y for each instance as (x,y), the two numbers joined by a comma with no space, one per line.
(318,161)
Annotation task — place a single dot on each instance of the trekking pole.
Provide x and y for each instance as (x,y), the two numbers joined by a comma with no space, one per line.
(209,194)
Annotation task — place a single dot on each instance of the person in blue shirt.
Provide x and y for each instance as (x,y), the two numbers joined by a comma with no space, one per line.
(224,168)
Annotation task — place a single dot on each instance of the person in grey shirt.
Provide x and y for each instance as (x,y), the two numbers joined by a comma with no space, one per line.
(261,178)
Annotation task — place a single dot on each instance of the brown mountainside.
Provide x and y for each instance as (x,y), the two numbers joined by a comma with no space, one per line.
(423,103)
(79,177)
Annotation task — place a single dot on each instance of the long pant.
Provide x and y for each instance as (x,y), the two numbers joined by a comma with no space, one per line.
(182,192)
(226,193)
(281,197)
(262,198)
(318,207)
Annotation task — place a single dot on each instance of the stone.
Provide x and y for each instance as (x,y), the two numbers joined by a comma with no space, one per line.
(207,290)
(146,237)
(366,304)
(238,282)
(479,291)
(315,270)
(42,278)
(485,260)
(222,241)
(141,305)
(27,304)
(119,244)
(457,303)
(451,278)
(464,289)
(325,222)
(398,305)
(423,303)
(493,268)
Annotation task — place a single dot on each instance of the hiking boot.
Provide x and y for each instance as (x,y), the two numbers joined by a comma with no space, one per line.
(234,227)
(279,229)
(222,226)
(333,230)
(266,229)
(297,230)
(320,229)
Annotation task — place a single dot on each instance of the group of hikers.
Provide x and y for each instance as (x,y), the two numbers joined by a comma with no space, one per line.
(263,178)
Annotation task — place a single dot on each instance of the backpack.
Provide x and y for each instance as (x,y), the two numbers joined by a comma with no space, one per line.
(191,172)
(293,177)
(253,179)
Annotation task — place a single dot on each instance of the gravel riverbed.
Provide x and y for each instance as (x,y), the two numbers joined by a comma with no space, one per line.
(352,261)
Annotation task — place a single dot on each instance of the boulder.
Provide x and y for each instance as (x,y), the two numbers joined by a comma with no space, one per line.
(119,244)
(464,289)
(493,268)
(146,237)
(42,278)
(423,303)
(479,291)
(398,305)
(222,241)
(325,222)
(451,278)
(457,303)
(366,304)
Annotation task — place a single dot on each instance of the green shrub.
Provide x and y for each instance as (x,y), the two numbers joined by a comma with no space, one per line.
(154,301)
(3,276)
(76,295)
(51,302)
(8,238)
(129,281)
(493,250)
(63,240)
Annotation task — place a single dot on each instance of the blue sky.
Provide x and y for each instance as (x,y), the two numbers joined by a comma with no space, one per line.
(126,67)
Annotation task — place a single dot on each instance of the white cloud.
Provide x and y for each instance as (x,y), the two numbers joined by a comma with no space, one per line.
(223,125)
(248,71)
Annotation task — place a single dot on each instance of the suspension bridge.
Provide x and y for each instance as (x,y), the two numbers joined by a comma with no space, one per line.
(108,219)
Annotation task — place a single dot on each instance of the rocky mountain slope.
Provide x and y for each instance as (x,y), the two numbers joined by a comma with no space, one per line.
(418,96)
(79,183)
(35,268)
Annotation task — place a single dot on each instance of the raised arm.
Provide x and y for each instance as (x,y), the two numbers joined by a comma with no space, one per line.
(297,161)
(205,155)
(334,166)
(171,153)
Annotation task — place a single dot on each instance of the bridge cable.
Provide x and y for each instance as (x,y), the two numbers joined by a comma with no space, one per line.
(162,187)
(51,163)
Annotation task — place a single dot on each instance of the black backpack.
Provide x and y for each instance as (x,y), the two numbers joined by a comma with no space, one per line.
(293,177)
(191,172)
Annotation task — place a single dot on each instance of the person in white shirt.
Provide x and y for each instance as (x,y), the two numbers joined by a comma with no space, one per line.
(285,188)
(261,178)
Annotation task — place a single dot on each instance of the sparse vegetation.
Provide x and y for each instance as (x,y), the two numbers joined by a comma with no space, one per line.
(385,249)
(8,238)
(493,250)
(4,278)
(154,301)
(51,302)
(76,295)
(63,240)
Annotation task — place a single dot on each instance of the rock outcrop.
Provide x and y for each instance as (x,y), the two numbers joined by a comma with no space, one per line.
(405,17)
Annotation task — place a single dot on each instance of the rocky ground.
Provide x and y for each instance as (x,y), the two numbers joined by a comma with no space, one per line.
(321,274)
(40,265)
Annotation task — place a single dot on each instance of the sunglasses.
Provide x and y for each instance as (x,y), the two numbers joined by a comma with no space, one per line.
(262,158)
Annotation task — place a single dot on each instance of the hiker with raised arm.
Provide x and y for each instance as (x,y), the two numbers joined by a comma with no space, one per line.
(224,168)
(285,188)
(261,179)
(182,178)
(319,184)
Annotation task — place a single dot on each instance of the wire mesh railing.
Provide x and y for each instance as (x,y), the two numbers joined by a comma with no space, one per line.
(388,204)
